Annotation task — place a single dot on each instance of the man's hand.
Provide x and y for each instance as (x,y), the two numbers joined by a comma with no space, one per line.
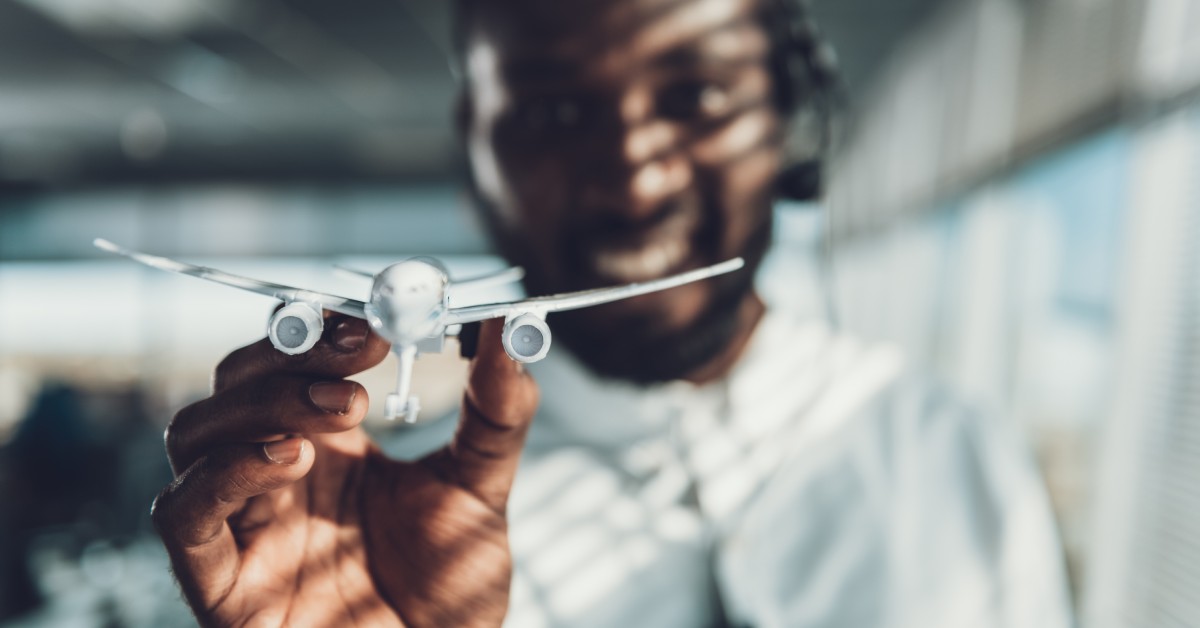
(284,513)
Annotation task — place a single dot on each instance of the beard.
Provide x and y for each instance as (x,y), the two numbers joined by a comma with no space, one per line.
(633,349)
(636,348)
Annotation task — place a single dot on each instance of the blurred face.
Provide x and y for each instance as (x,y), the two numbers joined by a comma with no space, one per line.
(622,141)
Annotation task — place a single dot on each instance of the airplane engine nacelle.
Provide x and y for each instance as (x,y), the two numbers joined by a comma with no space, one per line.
(526,338)
(295,328)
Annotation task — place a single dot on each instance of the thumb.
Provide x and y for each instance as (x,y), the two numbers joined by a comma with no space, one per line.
(498,406)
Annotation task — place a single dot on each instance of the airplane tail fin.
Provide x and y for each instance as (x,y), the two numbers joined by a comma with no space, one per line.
(506,276)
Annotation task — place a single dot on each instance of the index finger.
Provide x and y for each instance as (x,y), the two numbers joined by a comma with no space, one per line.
(347,346)
(498,407)
(191,514)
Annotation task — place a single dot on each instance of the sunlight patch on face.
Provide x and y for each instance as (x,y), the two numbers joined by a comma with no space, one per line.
(651,180)
(647,141)
(659,179)
(755,168)
(686,23)
(747,40)
(739,137)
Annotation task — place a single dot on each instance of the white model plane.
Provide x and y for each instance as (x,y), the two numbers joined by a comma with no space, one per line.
(409,306)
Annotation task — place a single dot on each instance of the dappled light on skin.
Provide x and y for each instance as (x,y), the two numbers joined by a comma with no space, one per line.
(749,133)
(317,547)
(334,586)
(463,540)
(735,44)
(648,141)
(658,179)
(681,24)
(611,175)
(349,535)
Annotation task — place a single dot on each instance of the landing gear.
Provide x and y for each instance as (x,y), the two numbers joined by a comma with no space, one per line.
(400,405)
(395,408)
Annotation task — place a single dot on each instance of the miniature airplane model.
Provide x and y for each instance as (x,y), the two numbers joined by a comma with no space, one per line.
(409,306)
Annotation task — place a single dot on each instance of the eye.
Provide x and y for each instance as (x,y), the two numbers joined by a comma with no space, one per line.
(692,100)
(546,113)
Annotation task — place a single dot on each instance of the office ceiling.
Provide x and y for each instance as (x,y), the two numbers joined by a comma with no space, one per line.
(117,91)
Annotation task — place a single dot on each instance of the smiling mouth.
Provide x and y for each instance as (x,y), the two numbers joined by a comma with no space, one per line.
(643,254)
(653,260)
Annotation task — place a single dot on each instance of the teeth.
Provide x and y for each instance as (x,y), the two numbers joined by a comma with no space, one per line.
(649,262)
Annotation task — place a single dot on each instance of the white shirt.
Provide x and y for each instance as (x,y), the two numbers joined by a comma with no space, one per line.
(817,485)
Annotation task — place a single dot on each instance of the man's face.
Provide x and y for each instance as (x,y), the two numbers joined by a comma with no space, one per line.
(621,141)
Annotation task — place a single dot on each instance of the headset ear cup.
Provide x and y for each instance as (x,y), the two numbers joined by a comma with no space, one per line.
(800,181)
(785,56)
(805,76)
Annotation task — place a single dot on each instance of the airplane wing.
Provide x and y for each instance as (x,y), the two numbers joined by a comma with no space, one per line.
(586,298)
(330,302)
(357,272)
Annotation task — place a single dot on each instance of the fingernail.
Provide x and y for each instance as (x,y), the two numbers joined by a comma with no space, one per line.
(350,335)
(284,451)
(334,397)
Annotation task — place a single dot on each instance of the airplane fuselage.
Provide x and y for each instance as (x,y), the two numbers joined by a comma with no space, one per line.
(408,302)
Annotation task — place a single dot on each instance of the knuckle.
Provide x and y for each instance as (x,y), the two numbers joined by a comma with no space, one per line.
(161,510)
(361,404)
(235,366)
(226,370)
(274,396)
(532,399)
(172,435)
(482,449)
(241,483)
(184,437)
(511,407)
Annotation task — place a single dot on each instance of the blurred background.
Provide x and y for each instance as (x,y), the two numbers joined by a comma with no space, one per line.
(1015,201)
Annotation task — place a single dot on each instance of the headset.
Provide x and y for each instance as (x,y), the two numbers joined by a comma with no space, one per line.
(805,72)
(806,76)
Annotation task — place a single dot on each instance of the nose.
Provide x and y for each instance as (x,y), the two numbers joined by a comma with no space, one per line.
(638,164)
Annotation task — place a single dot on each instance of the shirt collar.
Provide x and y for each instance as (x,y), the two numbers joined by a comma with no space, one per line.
(580,407)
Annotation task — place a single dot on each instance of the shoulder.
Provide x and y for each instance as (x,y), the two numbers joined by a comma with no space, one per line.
(868,394)
(904,491)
